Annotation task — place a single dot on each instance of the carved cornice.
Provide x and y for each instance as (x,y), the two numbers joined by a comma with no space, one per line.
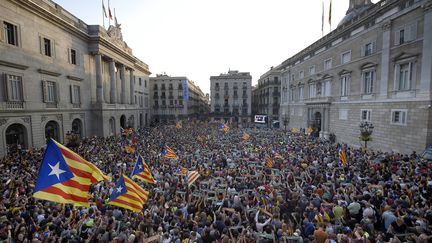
(13,65)
(74,78)
(47,72)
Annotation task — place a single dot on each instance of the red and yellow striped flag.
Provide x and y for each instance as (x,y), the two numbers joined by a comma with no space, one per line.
(127,194)
(343,157)
(142,171)
(246,136)
(191,177)
(269,161)
(170,154)
(65,177)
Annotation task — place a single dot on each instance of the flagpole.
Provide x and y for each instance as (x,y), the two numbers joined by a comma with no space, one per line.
(103,14)
(109,17)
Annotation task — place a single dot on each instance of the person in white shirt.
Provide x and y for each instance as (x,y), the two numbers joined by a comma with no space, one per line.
(260,226)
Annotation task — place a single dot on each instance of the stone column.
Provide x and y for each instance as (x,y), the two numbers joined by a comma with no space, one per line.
(132,87)
(123,84)
(385,60)
(426,69)
(113,82)
(99,80)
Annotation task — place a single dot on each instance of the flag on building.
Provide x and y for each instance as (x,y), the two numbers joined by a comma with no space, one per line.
(127,194)
(129,149)
(330,13)
(142,171)
(343,157)
(169,153)
(65,177)
(181,170)
(269,161)
(103,9)
(109,11)
(322,20)
(179,125)
(246,136)
(191,177)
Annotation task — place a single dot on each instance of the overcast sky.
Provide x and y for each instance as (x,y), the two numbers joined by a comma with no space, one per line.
(201,38)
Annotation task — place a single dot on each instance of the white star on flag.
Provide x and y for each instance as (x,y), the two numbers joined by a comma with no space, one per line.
(140,166)
(119,189)
(55,170)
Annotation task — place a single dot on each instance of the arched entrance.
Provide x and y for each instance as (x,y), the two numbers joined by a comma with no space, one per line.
(131,122)
(112,126)
(77,127)
(16,136)
(123,121)
(52,130)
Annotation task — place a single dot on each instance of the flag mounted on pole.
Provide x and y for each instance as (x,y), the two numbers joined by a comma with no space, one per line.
(169,153)
(109,11)
(142,171)
(127,194)
(104,10)
(343,157)
(191,177)
(330,14)
(65,177)
(269,161)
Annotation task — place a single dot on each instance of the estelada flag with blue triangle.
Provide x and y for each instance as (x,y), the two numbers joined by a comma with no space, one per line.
(127,194)
(65,177)
(142,171)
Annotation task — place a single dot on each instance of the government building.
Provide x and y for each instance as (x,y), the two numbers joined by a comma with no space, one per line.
(176,98)
(61,76)
(266,95)
(376,66)
(231,97)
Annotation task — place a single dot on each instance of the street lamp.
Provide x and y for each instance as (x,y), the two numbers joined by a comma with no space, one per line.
(366,129)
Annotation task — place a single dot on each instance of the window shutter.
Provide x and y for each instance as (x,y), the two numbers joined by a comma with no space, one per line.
(41,45)
(362,50)
(69,55)
(397,37)
(57,92)
(44,91)
(21,89)
(72,100)
(2,33)
(374,46)
(53,54)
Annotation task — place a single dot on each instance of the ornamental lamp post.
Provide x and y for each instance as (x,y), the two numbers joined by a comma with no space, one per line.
(366,129)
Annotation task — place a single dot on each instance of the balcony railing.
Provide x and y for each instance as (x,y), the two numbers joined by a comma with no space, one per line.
(76,105)
(51,105)
(15,105)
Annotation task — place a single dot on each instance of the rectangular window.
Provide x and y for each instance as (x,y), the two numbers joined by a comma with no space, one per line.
(301,74)
(346,57)
(368,49)
(368,82)
(345,85)
(75,94)
(301,92)
(312,70)
(405,76)
(145,83)
(139,81)
(11,33)
(47,47)
(180,102)
(14,88)
(366,115)
(401,36)
(312,90)
(399,117)
(49,91)
(73,56)
(327,64)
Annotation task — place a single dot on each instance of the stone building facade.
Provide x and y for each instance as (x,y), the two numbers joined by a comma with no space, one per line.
(268,95)
(176,98)
(231,97)
(60,75)
(375,66)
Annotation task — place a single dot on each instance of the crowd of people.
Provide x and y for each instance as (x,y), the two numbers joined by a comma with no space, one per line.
(307,195)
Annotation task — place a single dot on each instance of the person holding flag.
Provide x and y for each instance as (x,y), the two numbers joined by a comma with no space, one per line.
(65,177)
(141,171)
(127,194)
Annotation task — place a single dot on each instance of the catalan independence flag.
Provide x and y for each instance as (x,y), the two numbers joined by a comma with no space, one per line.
(65,177)
(343,157)
(142,171)
(169,153)
(179,125)
(191,177)
(269,161)
(224,127)
(181,171)
(127,194)
(246,136)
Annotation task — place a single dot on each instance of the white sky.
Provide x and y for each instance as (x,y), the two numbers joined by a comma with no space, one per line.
(201,38)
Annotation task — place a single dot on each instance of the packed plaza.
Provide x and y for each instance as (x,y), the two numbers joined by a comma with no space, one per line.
(307,195)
